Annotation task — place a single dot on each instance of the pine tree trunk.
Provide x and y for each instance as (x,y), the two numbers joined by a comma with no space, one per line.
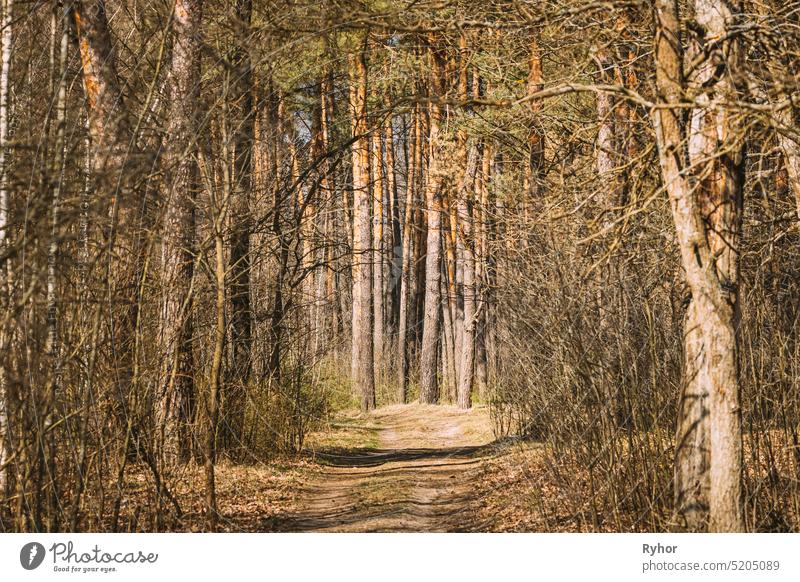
(483,205)
(241,311)
(177,390)
(363,370)
(534,174)
(466,356)
(117,164)
(708,225)
(406,298)
(392,238)
(378,307)
(429,380)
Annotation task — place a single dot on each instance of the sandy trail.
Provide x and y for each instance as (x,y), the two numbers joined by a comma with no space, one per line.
(416,480)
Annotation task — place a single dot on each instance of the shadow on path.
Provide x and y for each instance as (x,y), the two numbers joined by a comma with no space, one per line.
(403,489)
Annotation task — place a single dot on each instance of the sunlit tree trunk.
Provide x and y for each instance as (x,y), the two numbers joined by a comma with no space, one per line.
(466,356)
(535,170)
(482,258)
(406,299)
(708,225)
(5,224)
(378,306)
(790,148)
(363,370)
(177,389)
(429,381)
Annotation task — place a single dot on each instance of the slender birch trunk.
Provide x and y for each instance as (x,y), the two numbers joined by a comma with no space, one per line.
(5,225)
(57,184)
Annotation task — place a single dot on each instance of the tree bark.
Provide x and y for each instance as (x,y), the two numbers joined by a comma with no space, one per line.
(406,270)
(535,170)
(117,176)
(393,239)
(241,311)
(482,264)
(378,303)
(363,370)
(56,187)
(708,225)
(429,381)
(466,358)
(5,224)
(177,389)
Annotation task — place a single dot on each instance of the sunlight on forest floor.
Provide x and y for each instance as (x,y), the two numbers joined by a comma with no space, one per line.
(398,468)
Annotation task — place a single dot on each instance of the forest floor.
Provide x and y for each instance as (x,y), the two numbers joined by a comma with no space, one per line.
(410,468)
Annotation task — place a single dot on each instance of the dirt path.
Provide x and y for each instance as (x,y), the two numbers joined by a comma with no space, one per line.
(416,478)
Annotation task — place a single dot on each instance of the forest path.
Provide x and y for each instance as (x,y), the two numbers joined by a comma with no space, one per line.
(415,476)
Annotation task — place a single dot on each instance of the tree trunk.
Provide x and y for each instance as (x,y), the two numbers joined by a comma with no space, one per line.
(406,270)
(215,380)
(56,186)
(466,357)
(241,312)
(429,381)
(5,224)
(363,370)
(708,225)
(378,307)
(177,391)
(118,168)
(534,174)
(483,205)
(447,346)
(790,148)
(393,239)
(332,217)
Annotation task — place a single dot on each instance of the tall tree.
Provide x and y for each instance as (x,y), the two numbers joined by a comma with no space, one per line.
(56,182)
(5,223)
(535,171)
(117,161)
(177,385)
(429,381)
(406,299)
(378,255)
(708,458)
(363,370)
(392,236)
(241,311)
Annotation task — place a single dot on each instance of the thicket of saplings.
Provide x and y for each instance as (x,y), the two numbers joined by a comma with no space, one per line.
(590,325)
